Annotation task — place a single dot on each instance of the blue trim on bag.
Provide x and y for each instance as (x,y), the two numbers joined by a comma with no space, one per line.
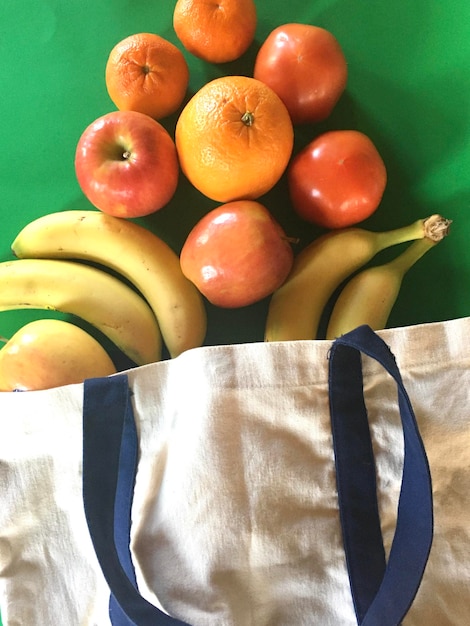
(109,464)
(382,593)
(122,509)
(356,480)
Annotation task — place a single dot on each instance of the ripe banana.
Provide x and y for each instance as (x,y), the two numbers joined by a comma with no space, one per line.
(87,292)
(369,296)
(296,308)
(132,251)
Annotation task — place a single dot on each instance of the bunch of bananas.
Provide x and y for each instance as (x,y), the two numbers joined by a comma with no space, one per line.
(296,308)
(158,306)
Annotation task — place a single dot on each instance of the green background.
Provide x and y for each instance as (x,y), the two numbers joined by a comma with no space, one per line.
(408,89)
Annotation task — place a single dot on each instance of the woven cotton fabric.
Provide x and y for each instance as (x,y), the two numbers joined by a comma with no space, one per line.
(235,517)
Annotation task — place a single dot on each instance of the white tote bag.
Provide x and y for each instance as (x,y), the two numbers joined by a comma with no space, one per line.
(265,484)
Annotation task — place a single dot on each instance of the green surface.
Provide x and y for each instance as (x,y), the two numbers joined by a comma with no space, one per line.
(408,89)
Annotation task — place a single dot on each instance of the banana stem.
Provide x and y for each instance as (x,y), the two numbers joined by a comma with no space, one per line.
(403,262)
(434,227)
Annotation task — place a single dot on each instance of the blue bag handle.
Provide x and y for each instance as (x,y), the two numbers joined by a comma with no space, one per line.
(382,592)
(109,467)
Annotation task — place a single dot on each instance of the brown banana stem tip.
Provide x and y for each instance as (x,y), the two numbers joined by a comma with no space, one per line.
(436,227)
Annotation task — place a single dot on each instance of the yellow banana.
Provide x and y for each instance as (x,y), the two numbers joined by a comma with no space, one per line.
(296,308)
(132,251)
(370,295)
(102,300)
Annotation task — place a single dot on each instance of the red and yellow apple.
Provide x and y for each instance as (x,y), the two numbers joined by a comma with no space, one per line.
(49,353)
(237,254)
(126,164)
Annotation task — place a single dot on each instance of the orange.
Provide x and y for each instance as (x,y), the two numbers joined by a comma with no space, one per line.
(147,73)
(234,138)
(216,31)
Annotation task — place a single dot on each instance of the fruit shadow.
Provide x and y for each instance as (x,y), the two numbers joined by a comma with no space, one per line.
(240,325)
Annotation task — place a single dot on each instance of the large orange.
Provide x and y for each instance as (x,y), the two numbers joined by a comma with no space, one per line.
(147,73)
(234,138)
(216,32)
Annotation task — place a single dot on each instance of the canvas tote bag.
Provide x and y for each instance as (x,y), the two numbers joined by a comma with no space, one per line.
(282,484)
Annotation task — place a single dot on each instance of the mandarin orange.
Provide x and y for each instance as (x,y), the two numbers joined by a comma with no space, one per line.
(234,139)
(215,31)
(148,74)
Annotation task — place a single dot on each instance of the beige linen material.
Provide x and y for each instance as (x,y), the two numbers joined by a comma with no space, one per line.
(235,515)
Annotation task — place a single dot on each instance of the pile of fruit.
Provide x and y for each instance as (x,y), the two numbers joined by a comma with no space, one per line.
(233,141)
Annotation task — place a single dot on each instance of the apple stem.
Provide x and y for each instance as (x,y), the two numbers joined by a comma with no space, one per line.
(3,339)
(126,155)
(291,239)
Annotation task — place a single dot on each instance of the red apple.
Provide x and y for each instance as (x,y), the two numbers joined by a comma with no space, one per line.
(126,164)
(237,254)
